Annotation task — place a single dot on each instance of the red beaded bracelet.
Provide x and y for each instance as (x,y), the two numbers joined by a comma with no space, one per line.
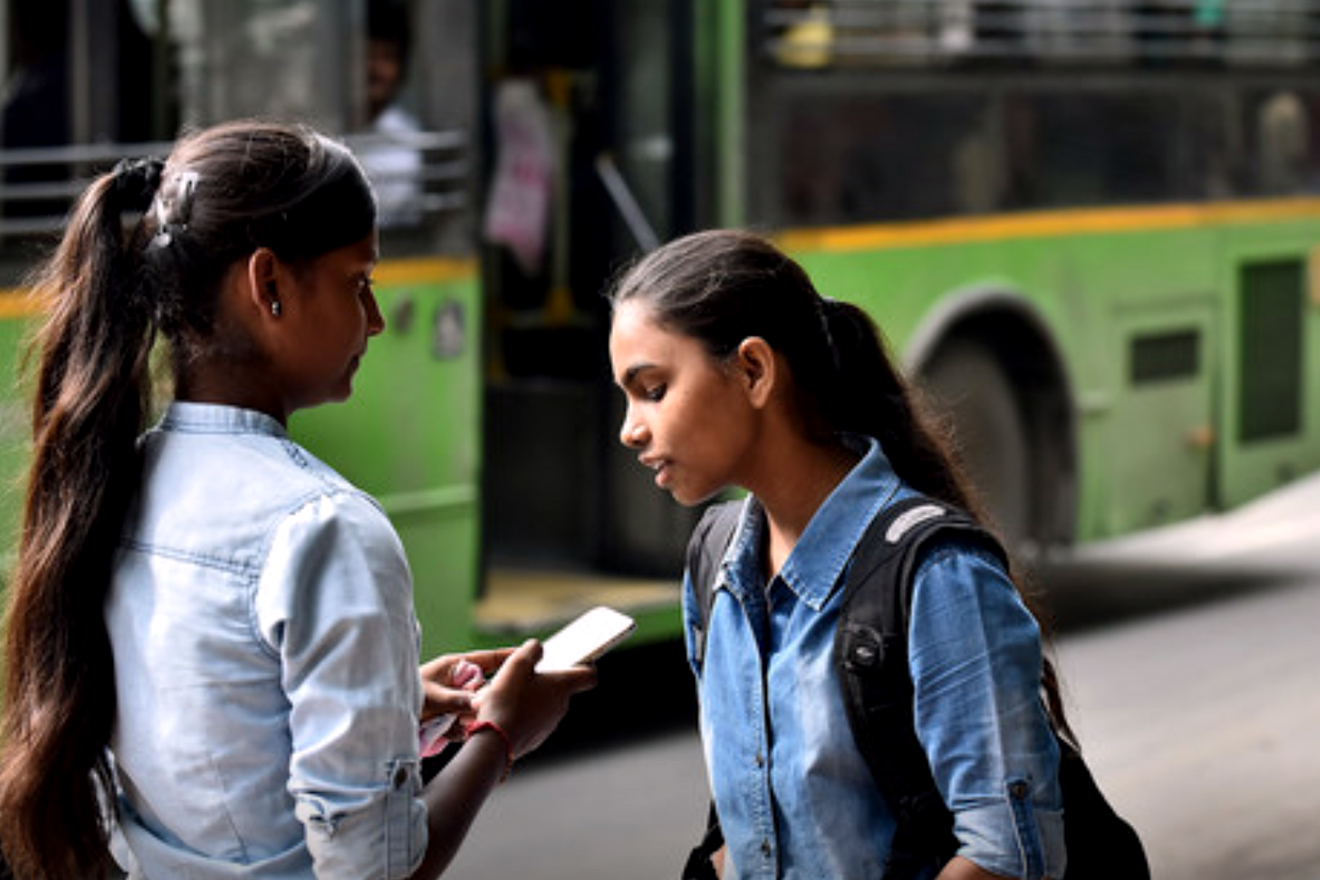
(479,726)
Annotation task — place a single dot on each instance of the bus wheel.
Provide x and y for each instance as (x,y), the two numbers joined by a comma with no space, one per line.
(966,383)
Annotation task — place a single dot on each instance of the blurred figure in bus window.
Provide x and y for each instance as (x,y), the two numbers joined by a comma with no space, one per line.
(737,372)
(211,642)
(392,162)
(1283,141)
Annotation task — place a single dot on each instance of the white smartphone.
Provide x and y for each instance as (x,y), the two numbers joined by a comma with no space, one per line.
(585,639)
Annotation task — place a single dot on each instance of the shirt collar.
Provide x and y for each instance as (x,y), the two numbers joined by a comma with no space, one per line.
(215,418)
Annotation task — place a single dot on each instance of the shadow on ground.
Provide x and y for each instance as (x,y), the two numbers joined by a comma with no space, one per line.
(1084,595)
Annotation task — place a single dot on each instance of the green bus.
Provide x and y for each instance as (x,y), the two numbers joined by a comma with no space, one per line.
(1084,227)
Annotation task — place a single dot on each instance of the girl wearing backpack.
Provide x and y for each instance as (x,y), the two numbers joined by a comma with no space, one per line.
(210,640)
(738,373)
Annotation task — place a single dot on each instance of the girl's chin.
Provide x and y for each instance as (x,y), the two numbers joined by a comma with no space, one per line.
(688,498)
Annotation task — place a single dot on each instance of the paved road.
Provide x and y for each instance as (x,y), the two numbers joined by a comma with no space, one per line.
(1192,665)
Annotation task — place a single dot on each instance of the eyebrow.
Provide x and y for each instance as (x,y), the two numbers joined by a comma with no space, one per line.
(630,374)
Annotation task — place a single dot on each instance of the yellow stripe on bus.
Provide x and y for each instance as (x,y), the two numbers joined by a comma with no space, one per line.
(421,270)
(16,302)
(1046,224)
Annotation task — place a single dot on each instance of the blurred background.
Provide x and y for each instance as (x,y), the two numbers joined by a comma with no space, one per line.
(1089,229)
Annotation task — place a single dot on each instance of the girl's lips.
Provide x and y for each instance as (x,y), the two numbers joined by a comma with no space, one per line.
(659,465)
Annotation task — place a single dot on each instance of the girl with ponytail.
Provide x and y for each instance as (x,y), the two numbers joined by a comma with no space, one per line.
(738,373)
(211,655)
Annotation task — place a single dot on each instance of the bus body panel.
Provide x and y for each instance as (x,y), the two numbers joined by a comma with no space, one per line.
(1139,314)
(411,434)
(15,420)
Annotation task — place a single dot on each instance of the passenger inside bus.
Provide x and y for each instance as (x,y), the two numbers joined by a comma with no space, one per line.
(392,163)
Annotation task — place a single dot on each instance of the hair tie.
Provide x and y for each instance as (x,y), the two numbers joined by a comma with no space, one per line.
(173,206)
(137,181)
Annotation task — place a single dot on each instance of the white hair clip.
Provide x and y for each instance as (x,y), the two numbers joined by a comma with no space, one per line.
(173,212)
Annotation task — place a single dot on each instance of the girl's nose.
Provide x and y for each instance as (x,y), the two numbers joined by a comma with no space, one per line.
(375,320)
(633,434)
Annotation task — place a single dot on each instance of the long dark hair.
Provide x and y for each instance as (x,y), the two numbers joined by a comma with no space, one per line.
(723,286)
(145,251)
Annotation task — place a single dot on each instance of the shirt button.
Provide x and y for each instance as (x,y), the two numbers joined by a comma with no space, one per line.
(760,760)
(400,778)
(766,849)
(1019,790)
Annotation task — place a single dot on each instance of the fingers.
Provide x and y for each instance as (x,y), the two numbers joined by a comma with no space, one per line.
(438,700)
(489,661)
(448,681)
(575,680)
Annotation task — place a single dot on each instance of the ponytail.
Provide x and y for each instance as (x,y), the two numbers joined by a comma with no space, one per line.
(865,394)
(92,393)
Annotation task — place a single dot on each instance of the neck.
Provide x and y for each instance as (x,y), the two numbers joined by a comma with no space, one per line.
(230,386)
(792,493)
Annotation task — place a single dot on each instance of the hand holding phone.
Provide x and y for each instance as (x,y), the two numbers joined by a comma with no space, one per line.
(585,639)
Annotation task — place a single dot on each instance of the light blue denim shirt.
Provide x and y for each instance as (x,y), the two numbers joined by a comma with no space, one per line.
(795,797)
(266,652)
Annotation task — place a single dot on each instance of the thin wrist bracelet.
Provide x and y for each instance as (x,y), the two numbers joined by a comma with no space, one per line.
(479,726)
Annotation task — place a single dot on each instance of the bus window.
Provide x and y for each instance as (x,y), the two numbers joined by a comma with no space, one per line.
(64,93)
(1081,149)
(355,69)
(36,107)
(267,57)
(865,157)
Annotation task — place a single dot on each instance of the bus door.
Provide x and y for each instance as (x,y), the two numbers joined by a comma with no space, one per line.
(1270,434)
(588,164)
(1270,272)
(1166,398)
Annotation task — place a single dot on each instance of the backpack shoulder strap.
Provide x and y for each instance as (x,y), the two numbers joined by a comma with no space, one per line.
(870,653)
(706,548)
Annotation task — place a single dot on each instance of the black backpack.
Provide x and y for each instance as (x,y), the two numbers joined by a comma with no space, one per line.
(870,652)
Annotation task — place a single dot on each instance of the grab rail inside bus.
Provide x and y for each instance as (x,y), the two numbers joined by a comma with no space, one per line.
(38,185)
(1265,33)
(626,203)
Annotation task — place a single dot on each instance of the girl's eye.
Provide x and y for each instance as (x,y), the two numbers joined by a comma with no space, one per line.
(654,394)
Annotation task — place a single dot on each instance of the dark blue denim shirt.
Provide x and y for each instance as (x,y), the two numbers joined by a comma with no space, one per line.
(795,797)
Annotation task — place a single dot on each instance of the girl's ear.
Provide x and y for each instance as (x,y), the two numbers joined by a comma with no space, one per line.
(263,272)
(757,368)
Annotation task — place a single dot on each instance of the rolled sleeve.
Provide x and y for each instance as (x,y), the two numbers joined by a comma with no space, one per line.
(975,656)
(335,604)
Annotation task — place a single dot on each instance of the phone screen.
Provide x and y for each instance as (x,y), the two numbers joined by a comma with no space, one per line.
(585,639)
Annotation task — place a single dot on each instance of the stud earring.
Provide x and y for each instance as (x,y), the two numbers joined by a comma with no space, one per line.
(275,308)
